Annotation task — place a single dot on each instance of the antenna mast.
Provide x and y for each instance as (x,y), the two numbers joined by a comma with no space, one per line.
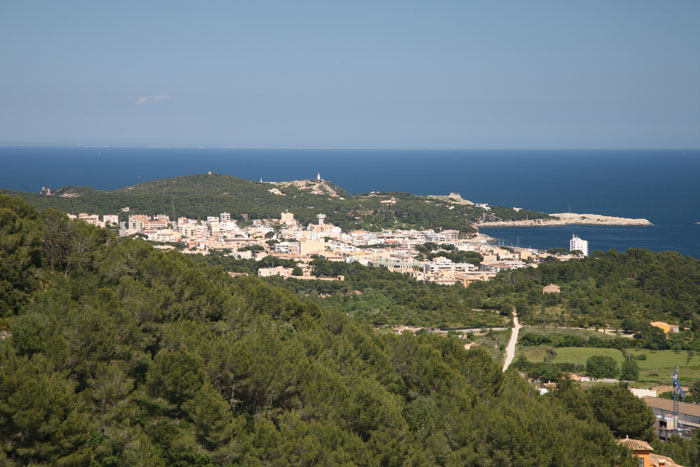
(676,391)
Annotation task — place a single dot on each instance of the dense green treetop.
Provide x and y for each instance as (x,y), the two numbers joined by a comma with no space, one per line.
(629,370)
(602,366)
(612,404)
(115,353)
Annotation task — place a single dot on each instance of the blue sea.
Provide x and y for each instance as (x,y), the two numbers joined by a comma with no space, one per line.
(660,185)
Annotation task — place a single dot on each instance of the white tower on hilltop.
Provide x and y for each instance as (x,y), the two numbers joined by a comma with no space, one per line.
(578,244)
(318,176)
(321,219)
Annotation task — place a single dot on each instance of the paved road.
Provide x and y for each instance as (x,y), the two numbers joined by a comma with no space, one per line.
(510,350)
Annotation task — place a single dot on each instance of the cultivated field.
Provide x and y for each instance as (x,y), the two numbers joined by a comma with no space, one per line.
(656,368)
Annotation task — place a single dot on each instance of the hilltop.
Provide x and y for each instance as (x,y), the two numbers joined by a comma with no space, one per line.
(204,195)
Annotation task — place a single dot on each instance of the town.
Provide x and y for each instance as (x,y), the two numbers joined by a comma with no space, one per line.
(442,257)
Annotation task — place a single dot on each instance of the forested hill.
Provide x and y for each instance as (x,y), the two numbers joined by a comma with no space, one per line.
(114,353)
(199,196)
(626,290)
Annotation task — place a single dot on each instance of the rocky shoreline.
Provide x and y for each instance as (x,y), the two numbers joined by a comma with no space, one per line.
(569,218)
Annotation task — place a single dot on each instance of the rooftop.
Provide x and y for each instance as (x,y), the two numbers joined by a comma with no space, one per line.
(635,444)
(667,404)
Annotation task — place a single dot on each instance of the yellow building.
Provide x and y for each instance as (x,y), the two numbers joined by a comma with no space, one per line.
(665,327)
(525,254)
(287,218)
(312,247)
(661,325)
(642,451)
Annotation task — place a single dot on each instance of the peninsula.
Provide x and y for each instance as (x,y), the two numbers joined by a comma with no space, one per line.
(198,196)
(567,218)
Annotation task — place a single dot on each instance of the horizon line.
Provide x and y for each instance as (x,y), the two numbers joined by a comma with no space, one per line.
(321,148)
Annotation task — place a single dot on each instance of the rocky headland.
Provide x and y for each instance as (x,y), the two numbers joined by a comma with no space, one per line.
(568,218)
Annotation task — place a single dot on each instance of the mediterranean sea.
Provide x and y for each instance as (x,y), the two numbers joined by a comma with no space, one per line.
(660,185)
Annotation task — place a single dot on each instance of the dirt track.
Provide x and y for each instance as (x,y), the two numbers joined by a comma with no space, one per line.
(510,350)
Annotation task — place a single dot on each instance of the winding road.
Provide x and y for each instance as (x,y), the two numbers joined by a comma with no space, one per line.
(510,350)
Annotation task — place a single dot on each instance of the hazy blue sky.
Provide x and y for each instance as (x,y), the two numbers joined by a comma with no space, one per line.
(457,74)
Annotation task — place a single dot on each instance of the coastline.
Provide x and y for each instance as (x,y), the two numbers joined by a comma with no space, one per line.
(568,218)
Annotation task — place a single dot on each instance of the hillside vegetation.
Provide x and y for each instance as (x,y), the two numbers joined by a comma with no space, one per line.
(620,290)
(199,196)
(377,296)
(626,290)
(114,353)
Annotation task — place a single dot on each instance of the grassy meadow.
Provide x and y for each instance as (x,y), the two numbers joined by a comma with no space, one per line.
(655,369)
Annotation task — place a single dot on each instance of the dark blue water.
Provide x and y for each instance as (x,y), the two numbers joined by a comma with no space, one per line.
(679,237)
(661,186)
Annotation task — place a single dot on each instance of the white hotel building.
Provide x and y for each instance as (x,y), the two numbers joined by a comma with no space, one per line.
(578,244)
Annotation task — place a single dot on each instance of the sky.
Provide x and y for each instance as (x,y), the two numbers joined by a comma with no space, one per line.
(351,74)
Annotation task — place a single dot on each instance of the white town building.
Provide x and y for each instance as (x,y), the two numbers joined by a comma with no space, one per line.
(578,244)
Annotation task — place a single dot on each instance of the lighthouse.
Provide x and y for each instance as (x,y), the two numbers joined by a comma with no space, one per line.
(318,176)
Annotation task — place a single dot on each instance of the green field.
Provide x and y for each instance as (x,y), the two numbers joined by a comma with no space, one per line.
(657,367)
(579,355)
(665,359)
(534,354)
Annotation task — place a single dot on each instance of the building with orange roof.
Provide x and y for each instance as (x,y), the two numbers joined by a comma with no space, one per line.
(640,449)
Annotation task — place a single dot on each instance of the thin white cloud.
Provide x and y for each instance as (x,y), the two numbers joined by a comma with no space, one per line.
(149,99)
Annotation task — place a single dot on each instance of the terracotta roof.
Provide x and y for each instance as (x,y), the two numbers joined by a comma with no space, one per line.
(655,458)
(667,405)
(635,444)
